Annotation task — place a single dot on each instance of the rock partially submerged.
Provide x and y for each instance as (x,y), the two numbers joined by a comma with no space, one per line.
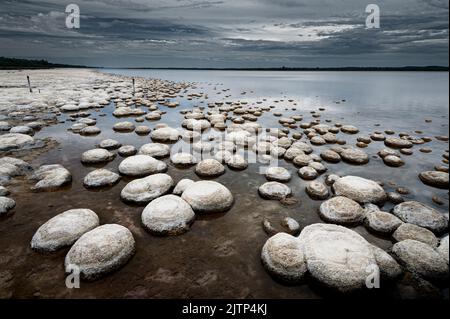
(15,141)
(147,189)
(141,165)
(282,256)
(421,215)
(100,251)
(421,259)
(341,210)
(208,197)
(360,189)
(97,156)
(410,231)
(64,229)
(182,185)
(337,257)
(435,179)
(50,177)
(6,204)
(100,178)
(274,190)
(167,215)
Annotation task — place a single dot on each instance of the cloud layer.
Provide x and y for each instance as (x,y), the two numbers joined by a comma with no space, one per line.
(227,33)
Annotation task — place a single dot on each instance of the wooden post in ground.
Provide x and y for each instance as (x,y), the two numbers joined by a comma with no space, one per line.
(29,84)
(133,87)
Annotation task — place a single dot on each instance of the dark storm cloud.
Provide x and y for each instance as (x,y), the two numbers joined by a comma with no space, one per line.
(228,33)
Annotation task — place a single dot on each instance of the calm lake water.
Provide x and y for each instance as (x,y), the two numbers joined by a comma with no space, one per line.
(220,256)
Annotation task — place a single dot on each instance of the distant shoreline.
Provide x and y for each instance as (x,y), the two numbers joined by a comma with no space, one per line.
(24,64)
(344,69)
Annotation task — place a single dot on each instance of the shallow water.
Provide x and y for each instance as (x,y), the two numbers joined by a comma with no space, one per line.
(220,256)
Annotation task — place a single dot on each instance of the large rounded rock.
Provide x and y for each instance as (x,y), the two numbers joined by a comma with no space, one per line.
(282,256)
(182,186)
(336,256)
(165,134)
(341,210)
(382,222)
(410,231)
(101,251)
(50,177)
(354,156)
(359,189)
(155,150)
(100,178)
(396,142)
(146,189)
(421,259)
(141,165)
(435,178)
(317,190)
(209,168)
(389,267)
(237,162)
(14,141)
(421,215)
(109,144)
(183,159)
(64,229)
(124,127)
(127,150)
(277,173)
(274,190)
(167,215)
(443,248)
(208,197)
(97,156)
(6,204)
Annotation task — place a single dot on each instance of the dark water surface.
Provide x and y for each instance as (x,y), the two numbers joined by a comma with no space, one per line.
(220,256)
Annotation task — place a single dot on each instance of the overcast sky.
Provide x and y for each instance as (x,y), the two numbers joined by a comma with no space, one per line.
(227,33)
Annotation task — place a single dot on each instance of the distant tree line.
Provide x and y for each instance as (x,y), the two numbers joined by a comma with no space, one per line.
(12,63)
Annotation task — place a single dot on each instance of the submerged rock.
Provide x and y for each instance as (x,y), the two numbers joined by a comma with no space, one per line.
(141,165)
(421,215)
(282,256)
(50,177)
(146,189)
(167,215)
(360,189)
(64,229)
(396,142)
(101,251)
(124,127)
(208,197)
